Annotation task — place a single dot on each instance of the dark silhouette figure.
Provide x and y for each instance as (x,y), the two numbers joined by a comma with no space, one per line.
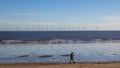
(72,58)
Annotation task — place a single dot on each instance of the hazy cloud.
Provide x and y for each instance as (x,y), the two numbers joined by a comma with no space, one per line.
(113,19)
(27,14)
(13,22)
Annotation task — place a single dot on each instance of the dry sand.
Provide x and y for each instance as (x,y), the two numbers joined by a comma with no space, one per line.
(63,65)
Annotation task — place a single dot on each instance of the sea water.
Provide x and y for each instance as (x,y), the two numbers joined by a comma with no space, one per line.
(51,35)
(84,52)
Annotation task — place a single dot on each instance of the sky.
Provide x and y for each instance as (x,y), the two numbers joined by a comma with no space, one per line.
(59,15)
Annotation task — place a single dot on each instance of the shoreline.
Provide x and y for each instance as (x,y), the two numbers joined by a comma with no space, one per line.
(106,62)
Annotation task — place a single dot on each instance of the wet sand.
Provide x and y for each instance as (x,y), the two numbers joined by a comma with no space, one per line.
(63,65)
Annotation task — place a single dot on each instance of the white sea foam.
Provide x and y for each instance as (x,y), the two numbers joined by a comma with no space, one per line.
(58,41)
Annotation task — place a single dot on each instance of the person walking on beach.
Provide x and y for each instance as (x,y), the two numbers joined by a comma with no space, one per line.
(72,58)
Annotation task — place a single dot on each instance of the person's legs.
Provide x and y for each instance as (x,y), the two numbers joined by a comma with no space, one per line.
(73,60)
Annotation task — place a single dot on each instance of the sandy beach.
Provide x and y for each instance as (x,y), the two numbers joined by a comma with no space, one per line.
(63,65)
